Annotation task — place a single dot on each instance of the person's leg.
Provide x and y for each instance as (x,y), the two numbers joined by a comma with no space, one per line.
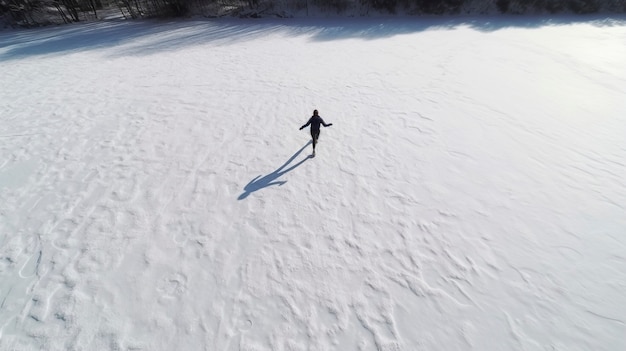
(316,136)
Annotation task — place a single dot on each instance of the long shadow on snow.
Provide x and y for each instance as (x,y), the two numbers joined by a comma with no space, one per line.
(78,37)
(146,37)
(259,182)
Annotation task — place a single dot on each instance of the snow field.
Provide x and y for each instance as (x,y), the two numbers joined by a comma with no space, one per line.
(156,194)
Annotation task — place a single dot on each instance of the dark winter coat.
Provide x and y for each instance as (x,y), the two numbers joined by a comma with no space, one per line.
(315,122)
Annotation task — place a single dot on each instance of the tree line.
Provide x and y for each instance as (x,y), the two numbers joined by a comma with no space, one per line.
(41,12)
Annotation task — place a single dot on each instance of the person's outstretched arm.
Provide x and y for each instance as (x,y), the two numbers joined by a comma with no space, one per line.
(307,123)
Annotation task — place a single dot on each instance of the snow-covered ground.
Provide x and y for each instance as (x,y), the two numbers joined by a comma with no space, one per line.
(156,193)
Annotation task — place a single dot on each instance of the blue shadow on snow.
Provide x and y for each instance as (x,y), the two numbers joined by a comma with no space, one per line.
(259,182)
(147,37)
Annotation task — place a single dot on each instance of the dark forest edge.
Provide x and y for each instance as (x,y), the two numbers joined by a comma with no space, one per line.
(32,13)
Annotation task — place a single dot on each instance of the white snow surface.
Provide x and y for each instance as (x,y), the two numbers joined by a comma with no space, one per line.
(156,193)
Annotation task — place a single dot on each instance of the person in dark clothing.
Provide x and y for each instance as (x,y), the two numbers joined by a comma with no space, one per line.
(315,121)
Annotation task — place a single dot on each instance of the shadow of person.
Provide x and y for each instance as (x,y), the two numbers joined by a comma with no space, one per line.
(259,182)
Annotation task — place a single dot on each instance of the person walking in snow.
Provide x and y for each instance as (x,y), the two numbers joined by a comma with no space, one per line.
(315,121)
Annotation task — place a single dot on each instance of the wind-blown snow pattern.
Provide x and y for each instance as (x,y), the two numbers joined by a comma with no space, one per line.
(156,193)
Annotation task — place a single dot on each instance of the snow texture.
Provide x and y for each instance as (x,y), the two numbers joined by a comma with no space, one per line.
(156,193)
